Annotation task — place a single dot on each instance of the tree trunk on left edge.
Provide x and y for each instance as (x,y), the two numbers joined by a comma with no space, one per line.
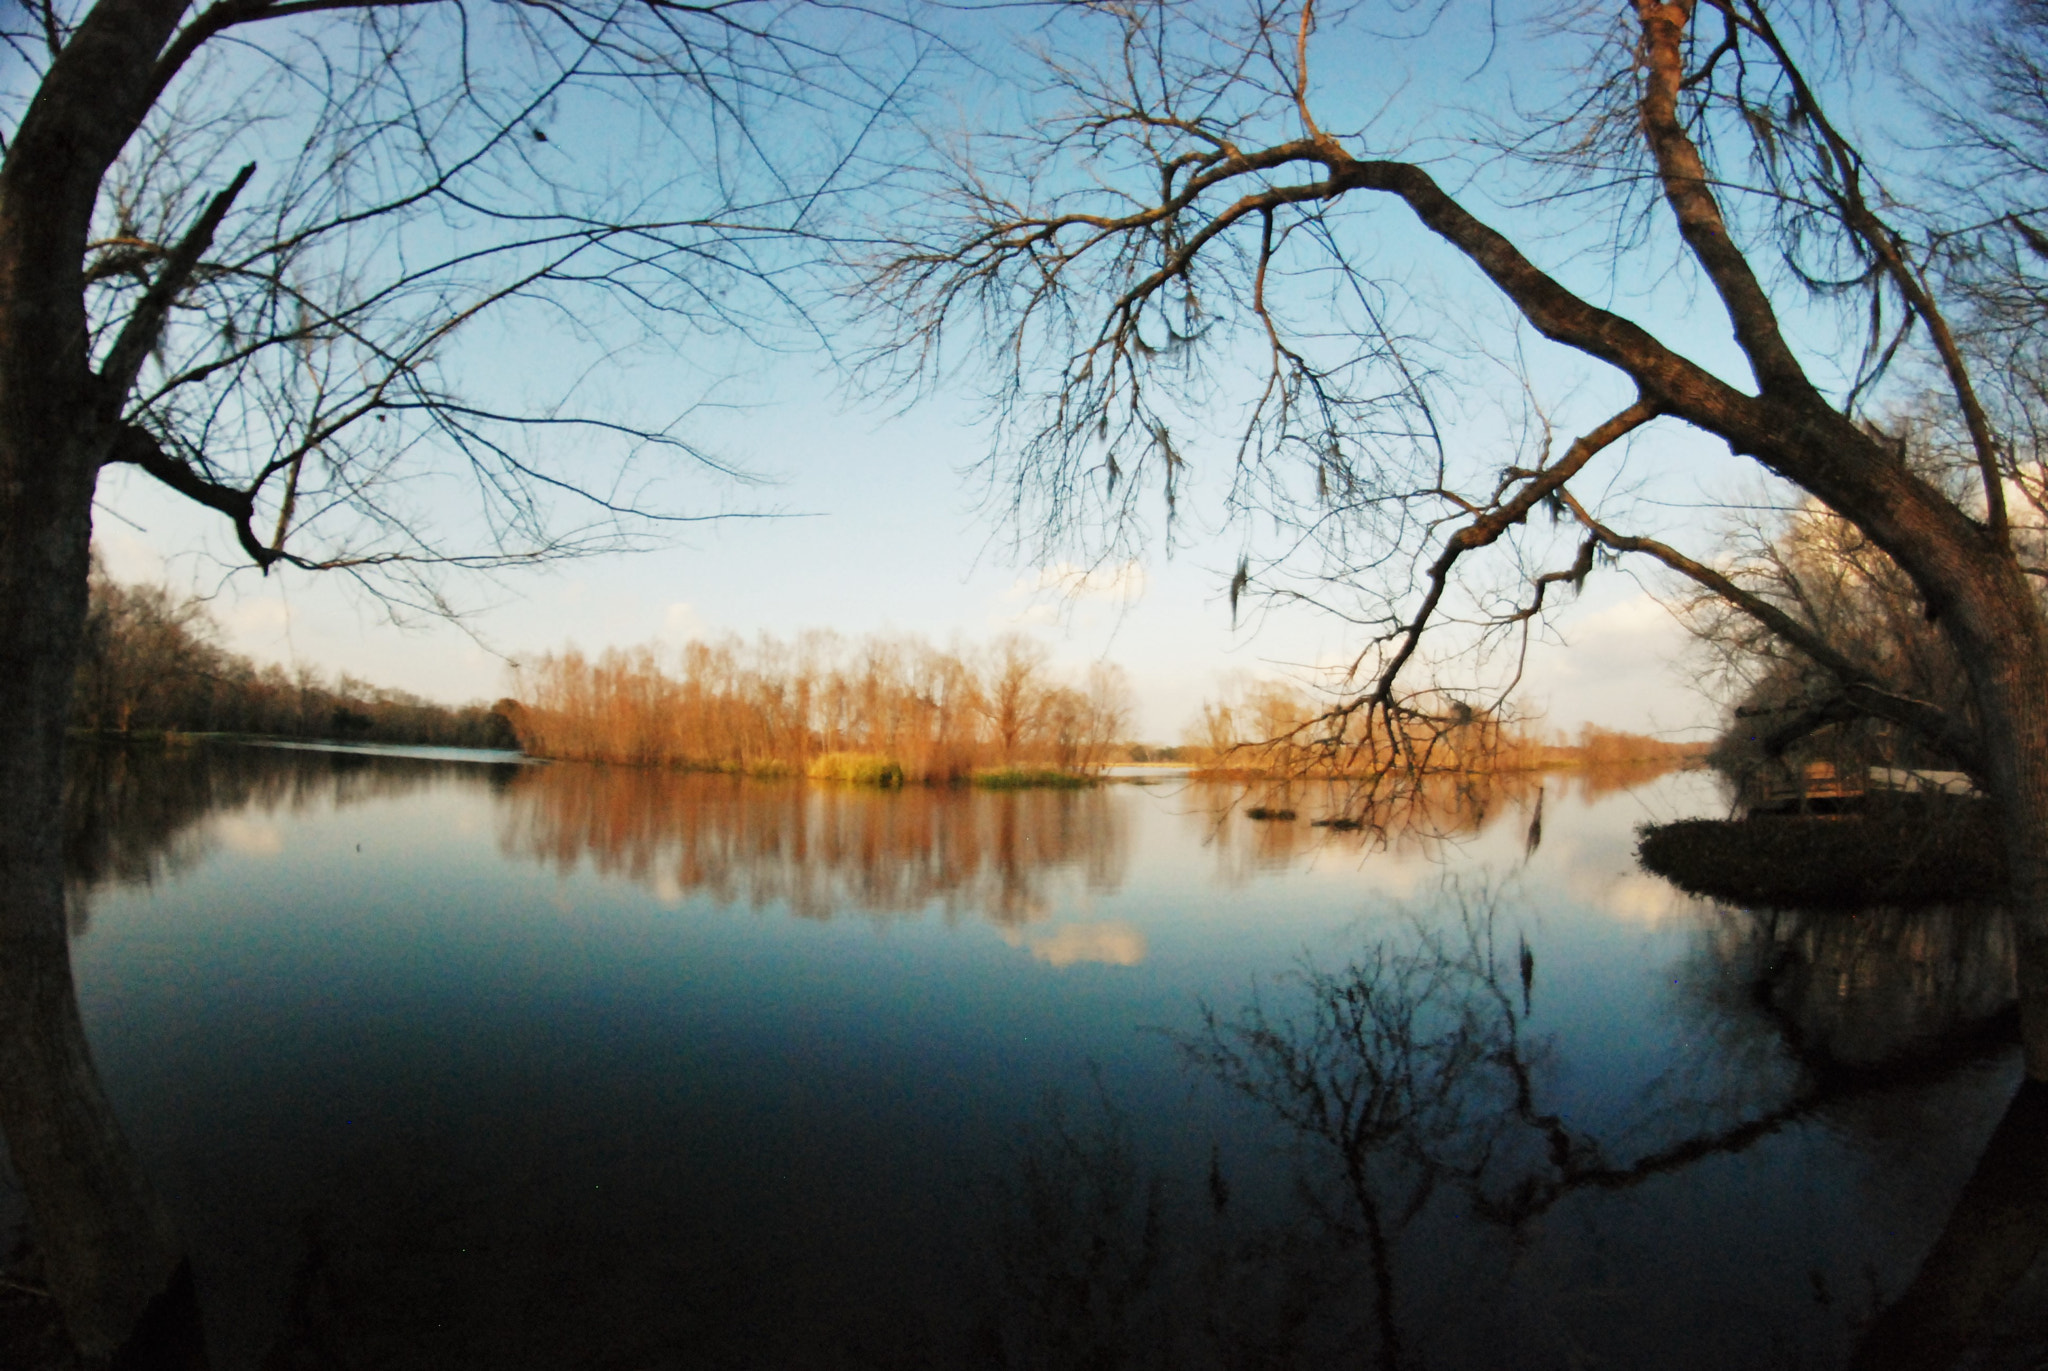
(109,1255)
(108,1252)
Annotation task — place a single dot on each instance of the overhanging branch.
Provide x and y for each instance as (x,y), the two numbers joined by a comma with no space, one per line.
(145,325)
(1487,529)
(1859,688)
(137,446)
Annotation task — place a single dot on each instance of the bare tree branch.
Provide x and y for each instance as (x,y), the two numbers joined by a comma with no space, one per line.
(1859,690)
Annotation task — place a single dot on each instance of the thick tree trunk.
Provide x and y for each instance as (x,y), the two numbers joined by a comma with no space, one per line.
(2011,688)
(106,1246)
(1992,1238)
(1970,580)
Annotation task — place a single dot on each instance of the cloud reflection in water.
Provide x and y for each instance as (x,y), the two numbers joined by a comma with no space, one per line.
(1064,945)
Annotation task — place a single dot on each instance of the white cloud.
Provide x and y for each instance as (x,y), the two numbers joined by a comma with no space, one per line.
(1111,944)
(1123,583)
(1621,666)
(681,621)
(257,618)
(126,554)
(1640,898)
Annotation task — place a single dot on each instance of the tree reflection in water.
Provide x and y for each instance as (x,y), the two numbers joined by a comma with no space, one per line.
(137,815)
(1978,1268)
(1424,1154)
(817,850)
(134,816)
(1428,1142)
(1877,995)
(1079,1268)
(1419,819)
(1863,989)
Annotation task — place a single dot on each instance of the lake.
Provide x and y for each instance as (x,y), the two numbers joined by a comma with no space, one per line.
(443,1060)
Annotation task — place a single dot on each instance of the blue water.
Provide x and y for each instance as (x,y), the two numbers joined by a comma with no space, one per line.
(446,1064)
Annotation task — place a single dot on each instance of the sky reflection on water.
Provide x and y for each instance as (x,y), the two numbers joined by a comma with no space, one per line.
(532,1066)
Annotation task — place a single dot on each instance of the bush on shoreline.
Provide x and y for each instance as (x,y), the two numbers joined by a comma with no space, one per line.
(1908,854)
(856,768)
(874,769)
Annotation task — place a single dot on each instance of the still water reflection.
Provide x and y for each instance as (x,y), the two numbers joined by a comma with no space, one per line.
(453,1064)
(817,852)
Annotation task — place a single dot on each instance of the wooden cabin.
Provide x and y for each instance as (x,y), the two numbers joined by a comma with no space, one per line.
(1822,788)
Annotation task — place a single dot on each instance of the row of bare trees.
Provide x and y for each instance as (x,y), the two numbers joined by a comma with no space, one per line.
(152,662)
(1827,577)
(1278,727)
(777,707)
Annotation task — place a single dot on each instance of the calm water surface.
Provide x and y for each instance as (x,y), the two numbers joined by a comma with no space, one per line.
(456,1063)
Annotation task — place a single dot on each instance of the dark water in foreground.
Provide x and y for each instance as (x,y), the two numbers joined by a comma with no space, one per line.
(448,1064)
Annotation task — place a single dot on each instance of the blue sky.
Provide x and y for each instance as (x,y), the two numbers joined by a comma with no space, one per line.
(884,533)
(890,542)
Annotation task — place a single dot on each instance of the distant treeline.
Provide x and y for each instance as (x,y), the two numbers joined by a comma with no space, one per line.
(151,665)
(1600,747)
(1274,728)
(823,704)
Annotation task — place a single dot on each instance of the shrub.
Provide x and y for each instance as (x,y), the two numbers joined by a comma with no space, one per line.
(1907,855)
(857,768)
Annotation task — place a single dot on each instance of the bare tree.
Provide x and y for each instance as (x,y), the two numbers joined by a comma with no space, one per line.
(1107,713)
(1013,691)
(241,242)
(1169,210)
(144,647)
(1824,574)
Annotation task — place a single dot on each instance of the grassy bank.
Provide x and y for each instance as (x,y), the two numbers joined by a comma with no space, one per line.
(1029,778)
(874,769)
(150,737)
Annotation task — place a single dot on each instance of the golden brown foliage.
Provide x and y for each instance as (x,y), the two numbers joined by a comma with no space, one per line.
(820,849)
(1276,729)
(774,707)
